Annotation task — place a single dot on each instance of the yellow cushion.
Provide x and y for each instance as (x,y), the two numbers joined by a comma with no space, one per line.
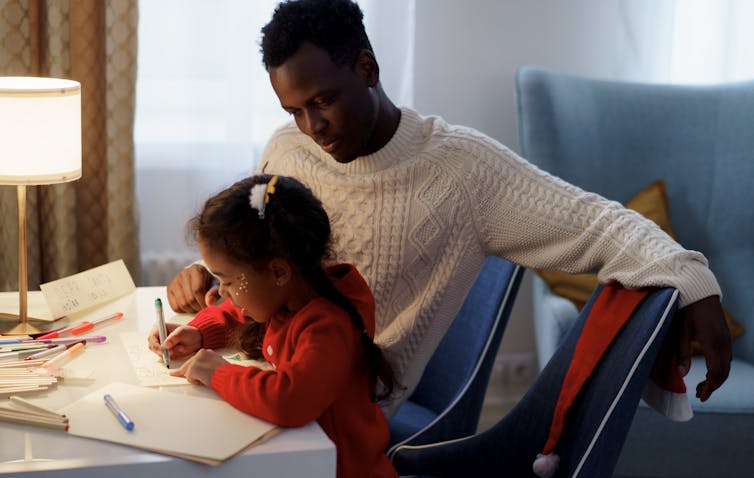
(652,203)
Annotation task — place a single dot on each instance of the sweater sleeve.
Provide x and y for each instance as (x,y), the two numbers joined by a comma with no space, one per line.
(217,323)
(540,221)
(298,390)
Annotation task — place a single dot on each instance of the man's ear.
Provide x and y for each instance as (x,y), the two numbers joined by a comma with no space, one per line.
(367,68)
(281,270)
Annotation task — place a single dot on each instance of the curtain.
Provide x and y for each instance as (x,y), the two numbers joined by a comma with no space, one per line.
(713,41)
(75,226)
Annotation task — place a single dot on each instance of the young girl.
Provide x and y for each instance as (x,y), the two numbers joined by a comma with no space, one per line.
(265,239)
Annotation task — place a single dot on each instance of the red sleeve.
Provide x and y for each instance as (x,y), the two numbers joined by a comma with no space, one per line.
(217,323)
(301,389)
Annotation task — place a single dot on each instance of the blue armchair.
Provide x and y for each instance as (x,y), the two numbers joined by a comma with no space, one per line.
(615,138)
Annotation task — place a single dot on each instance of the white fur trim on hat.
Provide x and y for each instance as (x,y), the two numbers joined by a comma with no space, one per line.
(545,466)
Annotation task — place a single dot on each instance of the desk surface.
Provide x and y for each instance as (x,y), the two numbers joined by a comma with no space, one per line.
(28,450)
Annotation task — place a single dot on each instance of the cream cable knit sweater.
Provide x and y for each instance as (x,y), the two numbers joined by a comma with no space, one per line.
(420,216)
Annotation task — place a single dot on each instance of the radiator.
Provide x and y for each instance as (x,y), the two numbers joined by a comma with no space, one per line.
(158,268)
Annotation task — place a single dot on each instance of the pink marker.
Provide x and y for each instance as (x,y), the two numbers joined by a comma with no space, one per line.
(78,328)
(56,333)
(92,339)
(89,325)
(95,339)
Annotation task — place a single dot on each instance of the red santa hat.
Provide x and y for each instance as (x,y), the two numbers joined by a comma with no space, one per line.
(610,311)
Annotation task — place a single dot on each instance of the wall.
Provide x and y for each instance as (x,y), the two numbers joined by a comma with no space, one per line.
(467,52)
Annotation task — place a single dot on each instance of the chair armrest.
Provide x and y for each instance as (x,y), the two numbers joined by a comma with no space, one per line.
(553,316)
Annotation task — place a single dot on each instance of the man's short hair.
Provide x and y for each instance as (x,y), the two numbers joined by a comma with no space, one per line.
(336,26)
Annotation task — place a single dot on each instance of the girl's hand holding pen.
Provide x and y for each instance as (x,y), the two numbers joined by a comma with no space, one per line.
(182,340)
(200,368)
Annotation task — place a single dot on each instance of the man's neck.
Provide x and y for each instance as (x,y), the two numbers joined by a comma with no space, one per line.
(388,118)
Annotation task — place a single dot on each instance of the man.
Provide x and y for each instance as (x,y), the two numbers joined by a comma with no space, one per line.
(419,204)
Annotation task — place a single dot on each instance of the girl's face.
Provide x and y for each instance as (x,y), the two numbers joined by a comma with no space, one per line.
(256,293)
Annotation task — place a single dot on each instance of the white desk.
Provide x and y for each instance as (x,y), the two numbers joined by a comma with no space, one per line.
(30,451)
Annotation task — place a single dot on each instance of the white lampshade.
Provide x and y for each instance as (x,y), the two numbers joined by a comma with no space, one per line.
(40,130)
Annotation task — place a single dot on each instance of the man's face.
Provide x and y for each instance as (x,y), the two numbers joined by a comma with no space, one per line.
(332,105)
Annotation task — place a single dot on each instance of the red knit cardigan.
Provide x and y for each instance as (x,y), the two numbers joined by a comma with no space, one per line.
(320,373)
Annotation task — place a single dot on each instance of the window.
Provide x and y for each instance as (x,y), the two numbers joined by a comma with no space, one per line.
(712,41)
(204,110)
(205,107)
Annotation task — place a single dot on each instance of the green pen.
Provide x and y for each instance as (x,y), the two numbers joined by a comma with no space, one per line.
(22,348)
(22,354)
(162,330)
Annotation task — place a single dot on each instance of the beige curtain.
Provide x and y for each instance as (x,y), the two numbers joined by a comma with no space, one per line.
(76,226)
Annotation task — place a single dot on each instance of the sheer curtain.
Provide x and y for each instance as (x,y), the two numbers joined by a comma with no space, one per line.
(205,108)
(713,41)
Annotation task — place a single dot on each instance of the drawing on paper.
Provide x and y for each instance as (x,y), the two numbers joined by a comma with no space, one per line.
(150,370)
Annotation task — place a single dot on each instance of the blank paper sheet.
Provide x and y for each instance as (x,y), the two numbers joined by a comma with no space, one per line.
(204,429)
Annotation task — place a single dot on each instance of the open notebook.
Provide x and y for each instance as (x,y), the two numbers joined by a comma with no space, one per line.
(204,429)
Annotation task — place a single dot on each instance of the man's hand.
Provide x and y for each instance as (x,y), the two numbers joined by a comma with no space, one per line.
(704,322)
(188,291)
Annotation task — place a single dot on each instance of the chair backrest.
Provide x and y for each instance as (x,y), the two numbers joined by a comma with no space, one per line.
(455,380)
(597,422)
(615,138)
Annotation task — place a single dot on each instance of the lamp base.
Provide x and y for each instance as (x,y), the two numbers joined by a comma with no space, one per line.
(10,324)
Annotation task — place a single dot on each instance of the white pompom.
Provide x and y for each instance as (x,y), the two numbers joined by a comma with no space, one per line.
(546,465)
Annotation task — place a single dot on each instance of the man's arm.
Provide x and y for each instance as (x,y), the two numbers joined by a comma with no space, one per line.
(573,230)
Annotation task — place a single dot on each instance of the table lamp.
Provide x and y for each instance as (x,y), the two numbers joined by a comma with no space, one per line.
(40,143)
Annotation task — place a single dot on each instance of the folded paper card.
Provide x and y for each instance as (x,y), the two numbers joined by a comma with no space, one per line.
(204,429)
(86,289)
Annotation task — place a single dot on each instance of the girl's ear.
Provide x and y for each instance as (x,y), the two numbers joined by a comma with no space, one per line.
(281,271)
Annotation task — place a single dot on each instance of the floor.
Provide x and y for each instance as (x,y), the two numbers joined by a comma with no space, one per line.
(510,379)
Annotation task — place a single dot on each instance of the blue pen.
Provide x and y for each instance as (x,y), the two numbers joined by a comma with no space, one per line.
(11,341)
(127,423)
